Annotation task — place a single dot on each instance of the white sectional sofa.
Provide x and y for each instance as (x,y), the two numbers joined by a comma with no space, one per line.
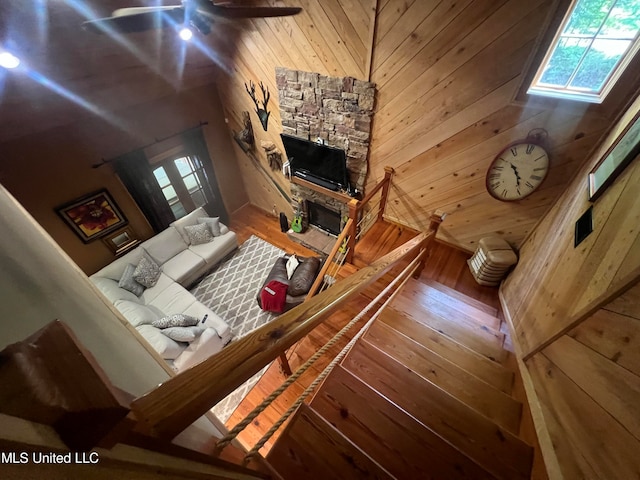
(181,264)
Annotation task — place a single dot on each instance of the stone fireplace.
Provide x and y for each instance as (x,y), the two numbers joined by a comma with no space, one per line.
(338,111)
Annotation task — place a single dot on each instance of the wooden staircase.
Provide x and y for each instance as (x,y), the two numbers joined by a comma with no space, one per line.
(423,394)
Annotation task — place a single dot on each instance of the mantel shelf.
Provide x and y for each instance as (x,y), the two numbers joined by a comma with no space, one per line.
(343,197)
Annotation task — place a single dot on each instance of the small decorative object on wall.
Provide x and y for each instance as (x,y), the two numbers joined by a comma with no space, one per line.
(519,169)
(262,112)
(92,216)
(615,160)
(246,135)
(121,241)
(274,155)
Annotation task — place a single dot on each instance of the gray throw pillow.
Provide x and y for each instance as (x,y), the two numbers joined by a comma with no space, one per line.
(198,233)
(175,320)
(128,282)
(147,272)
(183,334)
(214,224)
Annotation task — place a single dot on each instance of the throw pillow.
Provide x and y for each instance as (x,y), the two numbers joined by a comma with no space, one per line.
(303,277)
(175,320)
(129,283)
(183,334)
(214,224)
(147,272)
(198,233)
(292,264)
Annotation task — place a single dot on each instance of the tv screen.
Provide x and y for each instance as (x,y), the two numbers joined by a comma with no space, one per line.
(322,161)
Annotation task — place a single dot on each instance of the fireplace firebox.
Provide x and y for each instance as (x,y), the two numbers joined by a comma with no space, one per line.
(323,218)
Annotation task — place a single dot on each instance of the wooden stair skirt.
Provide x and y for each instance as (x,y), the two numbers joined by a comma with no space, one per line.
(423,394)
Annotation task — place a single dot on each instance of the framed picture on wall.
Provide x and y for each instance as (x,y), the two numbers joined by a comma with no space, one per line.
(92,216)
(121,241)
(625,148)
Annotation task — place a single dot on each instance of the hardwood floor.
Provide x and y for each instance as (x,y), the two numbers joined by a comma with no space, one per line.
(446,265)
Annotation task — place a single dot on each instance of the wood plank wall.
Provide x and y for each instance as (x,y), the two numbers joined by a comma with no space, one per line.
(588,385)
(447,74)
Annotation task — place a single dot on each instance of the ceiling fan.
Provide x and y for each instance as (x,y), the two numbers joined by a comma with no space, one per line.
(195,13)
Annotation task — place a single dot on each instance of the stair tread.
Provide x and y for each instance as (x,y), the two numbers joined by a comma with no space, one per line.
(311,448)
(448,307)
(393,438)
(491,372)
(459,296)
(495,449)
(466,387)
(477,337)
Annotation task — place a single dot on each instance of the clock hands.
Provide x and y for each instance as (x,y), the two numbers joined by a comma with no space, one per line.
(515,170)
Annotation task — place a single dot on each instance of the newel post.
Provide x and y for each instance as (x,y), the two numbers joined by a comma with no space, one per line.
(388,173)
(354,207)
(434,223)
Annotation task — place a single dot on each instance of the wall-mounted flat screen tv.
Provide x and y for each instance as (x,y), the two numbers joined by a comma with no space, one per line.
(322,161)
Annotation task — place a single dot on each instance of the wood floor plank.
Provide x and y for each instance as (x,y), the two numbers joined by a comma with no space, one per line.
(469,389)
(313,449)
(491,372)
(397,441)
(478,338)
(495,449)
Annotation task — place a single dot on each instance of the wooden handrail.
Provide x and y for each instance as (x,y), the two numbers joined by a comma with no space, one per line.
(175,404)
(320,278)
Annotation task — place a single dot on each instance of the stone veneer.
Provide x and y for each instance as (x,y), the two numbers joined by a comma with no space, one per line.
(338,110)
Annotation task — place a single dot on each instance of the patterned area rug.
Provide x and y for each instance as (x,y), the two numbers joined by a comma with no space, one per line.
(230,291)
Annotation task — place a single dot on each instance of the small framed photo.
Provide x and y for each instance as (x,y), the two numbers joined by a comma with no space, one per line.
(625,148)
(121,241)
(92,216)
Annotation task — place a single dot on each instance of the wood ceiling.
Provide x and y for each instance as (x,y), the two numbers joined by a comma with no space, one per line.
(446,72)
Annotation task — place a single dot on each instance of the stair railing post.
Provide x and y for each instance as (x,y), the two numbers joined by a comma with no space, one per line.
(434,223)
(354,207)
(388,173)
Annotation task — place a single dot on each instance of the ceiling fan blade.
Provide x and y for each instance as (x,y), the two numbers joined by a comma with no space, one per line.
(230,11)
(131,20)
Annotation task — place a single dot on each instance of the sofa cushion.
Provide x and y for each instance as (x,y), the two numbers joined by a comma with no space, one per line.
(165,245)
(112,291)
(213,223)
(135,313)
(198,234)
(174,299)
(167,348)
(216,250)
(189,219)
(213,320)
(201,348)
(147,272)
(176,320)
(116,268)
(183,265)
(302,279)
(151,293)
(129,283)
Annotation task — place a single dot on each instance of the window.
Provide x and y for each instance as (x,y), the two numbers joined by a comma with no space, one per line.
(179,179)
(596,41)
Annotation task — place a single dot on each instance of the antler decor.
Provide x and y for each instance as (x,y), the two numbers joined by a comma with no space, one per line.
(263,115)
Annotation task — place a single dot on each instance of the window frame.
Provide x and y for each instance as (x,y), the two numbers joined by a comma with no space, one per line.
(626,87)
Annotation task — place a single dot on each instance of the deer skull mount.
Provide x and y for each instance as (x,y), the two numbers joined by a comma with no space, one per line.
(263,115)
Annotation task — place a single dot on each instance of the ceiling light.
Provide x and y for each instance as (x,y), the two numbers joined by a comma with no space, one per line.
(186,34)
(8,60)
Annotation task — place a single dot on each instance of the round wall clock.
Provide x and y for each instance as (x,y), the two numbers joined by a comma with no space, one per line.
(519,169)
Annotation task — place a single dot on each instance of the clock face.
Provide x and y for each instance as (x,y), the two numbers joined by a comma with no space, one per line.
(517,171)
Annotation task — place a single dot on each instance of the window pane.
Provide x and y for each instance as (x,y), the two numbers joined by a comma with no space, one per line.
(602,58)
(170,194)
(624,20)
(191,182)
(198,198)
(178,210)
(564,61)
(161,177)
(588,16)
(184,166)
